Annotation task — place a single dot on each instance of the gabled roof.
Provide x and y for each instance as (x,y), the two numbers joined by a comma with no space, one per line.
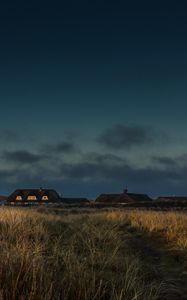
(108,198)
(131,197)
(39,193)
(173,198)
(122,198)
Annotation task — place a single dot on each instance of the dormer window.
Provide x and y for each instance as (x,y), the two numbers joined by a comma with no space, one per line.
(18,198)
(45,198)
(32,198)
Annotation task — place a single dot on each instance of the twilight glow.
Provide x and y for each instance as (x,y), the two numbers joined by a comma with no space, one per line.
(93,96)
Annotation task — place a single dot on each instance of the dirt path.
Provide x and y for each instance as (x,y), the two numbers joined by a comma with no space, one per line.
(160,261)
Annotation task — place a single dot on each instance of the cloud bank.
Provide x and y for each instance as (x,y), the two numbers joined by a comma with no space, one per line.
(121,136)
(75,171)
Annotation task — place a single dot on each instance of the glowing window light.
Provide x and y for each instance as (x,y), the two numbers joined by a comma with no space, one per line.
(31,198)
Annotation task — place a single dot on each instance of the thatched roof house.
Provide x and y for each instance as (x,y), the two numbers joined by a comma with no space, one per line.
(172,198)
(107,198)
(131,197)
(124,197)
(34,196)
(171,202)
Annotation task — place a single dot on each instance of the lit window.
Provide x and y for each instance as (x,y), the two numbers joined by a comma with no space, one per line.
(45,198)
(31,198)
(18,198)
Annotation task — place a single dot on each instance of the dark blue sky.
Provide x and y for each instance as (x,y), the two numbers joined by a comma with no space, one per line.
(93,96)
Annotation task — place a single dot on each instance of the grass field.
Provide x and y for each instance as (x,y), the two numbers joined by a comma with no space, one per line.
(83,255)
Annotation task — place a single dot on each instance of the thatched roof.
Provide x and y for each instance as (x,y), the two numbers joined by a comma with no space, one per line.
(51,194)
(123,198)
(108,198)
(131,197)
(172,198)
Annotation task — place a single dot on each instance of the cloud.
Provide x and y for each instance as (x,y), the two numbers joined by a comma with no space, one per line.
(22,157)
(178,162)
(148,179)
(7,135)
(94,173)
(63,147)
(121,136)
(114,174)
(165,161)
(106,158)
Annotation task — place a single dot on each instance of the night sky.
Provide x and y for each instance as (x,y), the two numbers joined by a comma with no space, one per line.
(93,96)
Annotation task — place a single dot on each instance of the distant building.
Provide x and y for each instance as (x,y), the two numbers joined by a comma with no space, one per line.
(26,196)
(75,200)
(107,198)
(124,197)
(3,200)
(172,198)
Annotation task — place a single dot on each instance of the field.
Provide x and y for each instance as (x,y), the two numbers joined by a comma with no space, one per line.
(108,254)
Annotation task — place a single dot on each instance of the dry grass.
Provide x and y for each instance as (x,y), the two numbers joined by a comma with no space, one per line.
(79,257)
(172,226)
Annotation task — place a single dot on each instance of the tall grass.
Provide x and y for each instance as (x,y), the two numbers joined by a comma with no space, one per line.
(72,257)
(171,226)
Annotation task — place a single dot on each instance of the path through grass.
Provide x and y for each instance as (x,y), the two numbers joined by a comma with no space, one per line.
(82,257)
